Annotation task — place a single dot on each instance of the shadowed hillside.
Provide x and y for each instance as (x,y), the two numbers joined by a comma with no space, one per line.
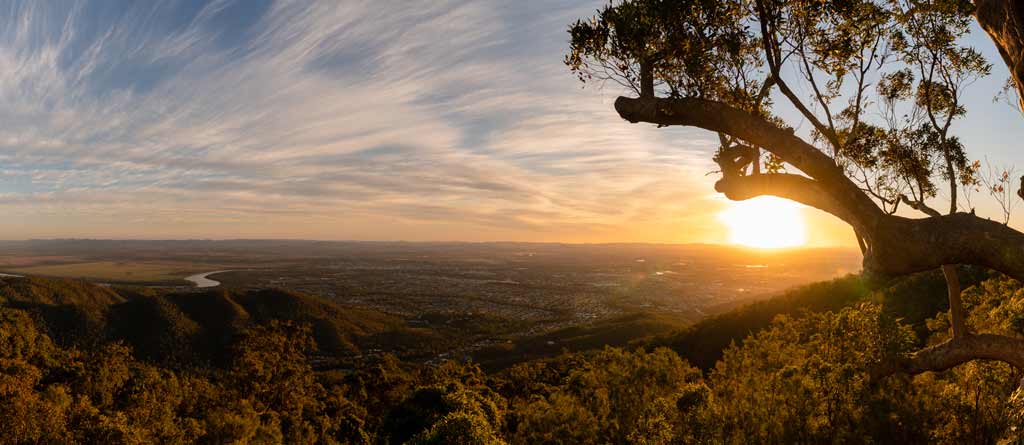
(618,331)
(181,328)
(914,299)
(35,290)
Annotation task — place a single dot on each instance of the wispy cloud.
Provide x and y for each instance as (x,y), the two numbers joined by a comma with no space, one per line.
(331,119)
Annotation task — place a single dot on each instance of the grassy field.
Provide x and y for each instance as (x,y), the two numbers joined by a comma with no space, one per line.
(14,261)
(110,271)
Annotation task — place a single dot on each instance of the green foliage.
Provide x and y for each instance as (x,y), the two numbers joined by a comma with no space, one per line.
(268,394)
(822,57)
(805,380)
(917,298)
(452,397)
(270,371)
(690,46)
(616,331)
(459,428)
(614,396)
(703,342)
(805,376)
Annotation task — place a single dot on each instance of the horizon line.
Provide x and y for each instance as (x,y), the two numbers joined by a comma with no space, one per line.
(635,243)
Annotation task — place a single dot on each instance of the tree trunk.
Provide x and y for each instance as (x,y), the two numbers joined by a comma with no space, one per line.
(956,306)
(1003,20)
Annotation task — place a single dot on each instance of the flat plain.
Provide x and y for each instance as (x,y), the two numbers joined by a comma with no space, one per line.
(113,271)
(474,296)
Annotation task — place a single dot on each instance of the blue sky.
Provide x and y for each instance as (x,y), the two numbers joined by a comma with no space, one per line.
(350,119)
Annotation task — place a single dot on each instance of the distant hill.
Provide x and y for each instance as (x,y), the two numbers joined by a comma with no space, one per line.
(34,290)
(185,327)
(618,331)
(72,312)
(204,323)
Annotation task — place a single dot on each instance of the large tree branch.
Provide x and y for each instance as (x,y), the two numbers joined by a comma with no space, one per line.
(957,351)
(797,188)
(720,117)
(903,245)
(896,245)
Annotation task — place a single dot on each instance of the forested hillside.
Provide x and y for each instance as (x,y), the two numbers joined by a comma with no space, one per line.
(913,300)
(254,367)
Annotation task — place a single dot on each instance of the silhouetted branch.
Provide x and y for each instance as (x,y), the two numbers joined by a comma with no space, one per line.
(723,118)
(897,245)
(797,188)
(919,206)
(957,351)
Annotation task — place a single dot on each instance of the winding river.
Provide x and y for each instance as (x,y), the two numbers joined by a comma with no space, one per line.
(201,280)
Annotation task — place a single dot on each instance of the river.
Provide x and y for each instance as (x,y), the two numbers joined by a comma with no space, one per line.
(201,279)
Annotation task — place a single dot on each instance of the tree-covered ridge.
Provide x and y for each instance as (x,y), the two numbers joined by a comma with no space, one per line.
(914,300)
(187,328)
(35,290)
(801,378)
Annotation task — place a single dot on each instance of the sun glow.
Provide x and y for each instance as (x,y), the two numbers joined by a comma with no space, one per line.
(766,222)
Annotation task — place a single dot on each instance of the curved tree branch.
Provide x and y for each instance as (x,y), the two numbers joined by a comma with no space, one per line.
(797,188)
(723,118)
(958,351)
(720,117)
(903,245)
(897,245)
(919,206)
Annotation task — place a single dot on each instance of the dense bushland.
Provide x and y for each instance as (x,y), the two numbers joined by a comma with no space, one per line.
(800,378)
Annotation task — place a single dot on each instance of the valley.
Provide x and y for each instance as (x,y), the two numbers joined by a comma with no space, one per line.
(454,300)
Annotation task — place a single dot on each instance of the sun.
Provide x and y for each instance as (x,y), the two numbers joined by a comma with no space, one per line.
(766,222)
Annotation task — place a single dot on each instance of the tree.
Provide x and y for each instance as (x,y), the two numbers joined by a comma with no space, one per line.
(452,405)
(804,380)
(271,374)
(719,64)
(613,396)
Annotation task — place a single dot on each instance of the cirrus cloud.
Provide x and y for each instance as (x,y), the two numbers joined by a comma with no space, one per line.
(326,119)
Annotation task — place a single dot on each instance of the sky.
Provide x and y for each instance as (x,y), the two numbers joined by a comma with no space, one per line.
(364,120)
